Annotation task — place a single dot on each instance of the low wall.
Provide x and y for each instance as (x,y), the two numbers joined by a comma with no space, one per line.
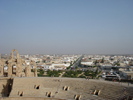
(28,98)
(67,88)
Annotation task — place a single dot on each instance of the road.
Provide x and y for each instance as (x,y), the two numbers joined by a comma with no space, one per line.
(77,63)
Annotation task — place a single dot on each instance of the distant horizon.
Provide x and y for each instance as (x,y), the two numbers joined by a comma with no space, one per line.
(61,54)
(66,26)
(69,53)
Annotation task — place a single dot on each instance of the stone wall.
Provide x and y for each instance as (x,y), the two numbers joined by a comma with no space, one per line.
(68,88)
(29,98)
(5,86)
(17,67)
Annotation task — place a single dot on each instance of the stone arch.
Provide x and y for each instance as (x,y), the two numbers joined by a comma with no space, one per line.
(14,60)
(12,54)
(13,69)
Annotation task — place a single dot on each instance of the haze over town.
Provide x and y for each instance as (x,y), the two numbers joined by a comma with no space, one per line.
(66,26)
(66,49)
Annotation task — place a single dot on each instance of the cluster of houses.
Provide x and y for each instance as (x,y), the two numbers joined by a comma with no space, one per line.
(52,62)
(124,64)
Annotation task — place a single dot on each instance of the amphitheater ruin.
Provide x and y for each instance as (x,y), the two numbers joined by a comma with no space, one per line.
(16,66)
(18,83)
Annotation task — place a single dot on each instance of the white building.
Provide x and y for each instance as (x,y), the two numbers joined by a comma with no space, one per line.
(87,63)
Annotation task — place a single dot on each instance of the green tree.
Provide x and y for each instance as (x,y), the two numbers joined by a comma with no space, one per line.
(41,72)
(102,61)
(54,73)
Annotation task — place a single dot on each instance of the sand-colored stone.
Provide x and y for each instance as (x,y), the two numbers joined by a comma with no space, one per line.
(21,68)
(78,88)
(25,85)
(44,88)
(1,67)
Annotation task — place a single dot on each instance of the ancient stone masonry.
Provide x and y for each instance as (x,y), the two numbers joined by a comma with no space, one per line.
(77,97)
(5,86)
(66,88)
(48,94)
(17,66)
(1,67)
(27,71)
(20,93)
(32,63)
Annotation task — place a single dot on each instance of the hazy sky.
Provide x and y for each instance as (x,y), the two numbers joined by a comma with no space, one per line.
(66,26)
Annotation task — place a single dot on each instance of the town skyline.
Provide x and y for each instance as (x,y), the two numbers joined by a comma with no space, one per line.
(66,27)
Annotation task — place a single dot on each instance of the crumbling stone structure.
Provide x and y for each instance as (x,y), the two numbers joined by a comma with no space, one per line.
(1,67)
(17,66)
